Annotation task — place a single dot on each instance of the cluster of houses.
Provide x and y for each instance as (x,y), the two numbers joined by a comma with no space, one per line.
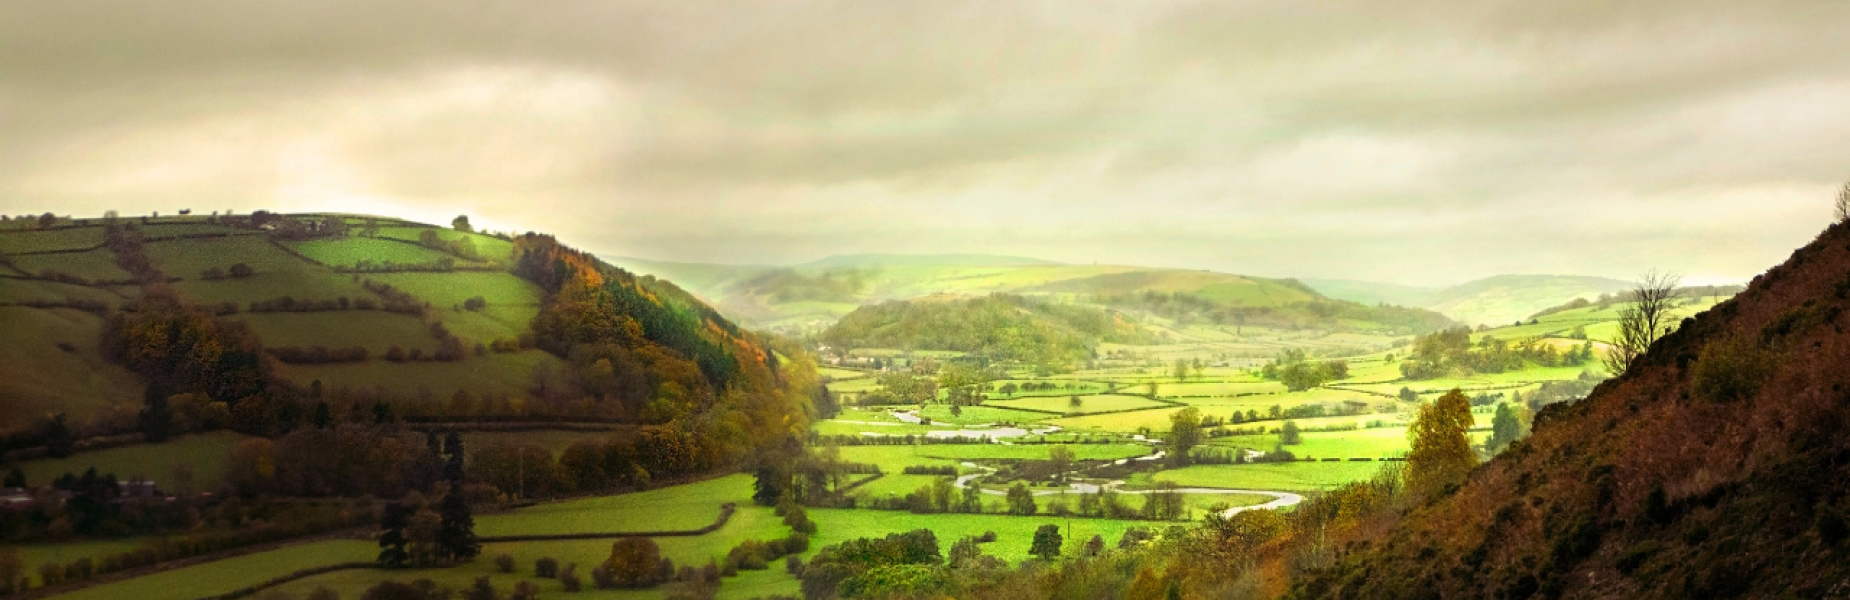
(16,498)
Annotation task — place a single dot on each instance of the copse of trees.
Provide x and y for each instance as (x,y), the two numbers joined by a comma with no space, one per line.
(1440,453)
(999,327)
(1451,352)
(1294,368)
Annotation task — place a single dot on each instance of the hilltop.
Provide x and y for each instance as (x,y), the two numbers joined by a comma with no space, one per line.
(1496,300)
(809,297)
(1714,467)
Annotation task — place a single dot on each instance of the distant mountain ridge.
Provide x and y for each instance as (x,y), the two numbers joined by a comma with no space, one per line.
(813,295)
(1494,300)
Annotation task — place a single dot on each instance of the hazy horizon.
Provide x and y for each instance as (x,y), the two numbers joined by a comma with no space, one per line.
(1423,143)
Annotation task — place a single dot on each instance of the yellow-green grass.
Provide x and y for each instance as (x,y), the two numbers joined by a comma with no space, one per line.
(15,242)
(187,259)
(962,452)
(1087,404)
(1360,443)
(941,414)
(95,265)
(489,247)
(38,377)
(374,330)
(842,374)
(845,428)
(64,553)
(204,453)
(301,284)
(895,483)
(864,384)
(1014,534)
(351,251)
(894,459)
(1157,420)
(217,577)
(1220,389)
(1064,388)
(26,290)
(676,508)
(1290,477)
(497,373)
(451,289)
(750,523)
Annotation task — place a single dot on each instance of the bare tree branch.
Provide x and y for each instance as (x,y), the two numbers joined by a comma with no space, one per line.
(1843,203)
(1646,318)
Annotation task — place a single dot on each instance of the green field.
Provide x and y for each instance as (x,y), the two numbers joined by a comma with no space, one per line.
(974,415)
(1087,404)
(17,242)
(682,507)
(38,377)
(1290,477)
(499,373)
(221,576)
(349,252)
(204,453)
(1361,443)
(374,330)
(95,265)
(1220,388)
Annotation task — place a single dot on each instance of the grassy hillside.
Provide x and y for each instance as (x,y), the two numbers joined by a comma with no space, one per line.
(1711,469)
(350,309)
(1000,327)
(1369,292)
(1506,298)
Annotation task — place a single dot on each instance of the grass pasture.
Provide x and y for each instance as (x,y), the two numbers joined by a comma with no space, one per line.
(217,577)
(1087,404)
(94,265)
(1290,477)
(204,453)
(349,252)
(37,375)
(509,373)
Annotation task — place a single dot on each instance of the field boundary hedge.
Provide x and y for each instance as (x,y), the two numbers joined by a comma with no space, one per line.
(725,514)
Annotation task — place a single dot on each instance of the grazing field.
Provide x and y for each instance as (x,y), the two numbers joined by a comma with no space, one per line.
(27,290)
(1239,388)
(451,289)
(17,242)
(65,552)
(95,265)
(975,415)
(298,284)
(1361,443)
(682,507)
(1290,477)
(186,259)
(1087,404)
(374,330)
(217,577)
(38,376)
(349,252)
(204,453)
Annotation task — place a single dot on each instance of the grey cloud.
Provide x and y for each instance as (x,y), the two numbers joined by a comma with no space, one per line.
(1402,141)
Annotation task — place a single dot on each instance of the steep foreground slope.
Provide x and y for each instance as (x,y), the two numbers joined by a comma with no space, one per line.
(1715,467)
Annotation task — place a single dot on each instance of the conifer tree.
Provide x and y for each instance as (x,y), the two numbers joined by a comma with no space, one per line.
(392,541)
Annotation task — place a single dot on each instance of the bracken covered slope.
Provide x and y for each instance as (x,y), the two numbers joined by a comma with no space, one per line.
(1718,466)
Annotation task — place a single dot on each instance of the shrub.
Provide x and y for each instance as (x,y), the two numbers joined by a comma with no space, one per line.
(240,271)
(1731,370)
(504,563)
(323,593)
(568,578)
(793,565)
(987,537)
(482,590)
(603,578)
(634,562)
(525,590)
(546,567)
(51,573)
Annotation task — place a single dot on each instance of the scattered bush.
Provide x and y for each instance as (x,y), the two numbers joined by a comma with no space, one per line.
(546,567)
(1731,370)
(568,578)
(504,563)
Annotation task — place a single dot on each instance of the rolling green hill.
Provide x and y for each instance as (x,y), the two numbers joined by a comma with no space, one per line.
(271,314)
(809,297)
(1000,327)
(1493,301)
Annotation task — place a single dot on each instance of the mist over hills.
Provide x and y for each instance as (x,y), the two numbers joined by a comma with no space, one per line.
(828,288)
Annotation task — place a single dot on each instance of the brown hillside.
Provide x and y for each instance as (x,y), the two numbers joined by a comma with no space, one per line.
(1717,467)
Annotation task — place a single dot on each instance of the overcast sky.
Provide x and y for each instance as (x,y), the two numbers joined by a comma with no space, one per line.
(1407,142)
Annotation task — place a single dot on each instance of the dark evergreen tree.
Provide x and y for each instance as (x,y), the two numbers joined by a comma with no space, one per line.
(59,441)
(453,458)
(156,418)
(768,485)
(392,541)
(456,536)
(324,416)
(382,413)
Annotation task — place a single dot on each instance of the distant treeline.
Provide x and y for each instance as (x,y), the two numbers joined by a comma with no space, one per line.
(1000,327)
(1322,313)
